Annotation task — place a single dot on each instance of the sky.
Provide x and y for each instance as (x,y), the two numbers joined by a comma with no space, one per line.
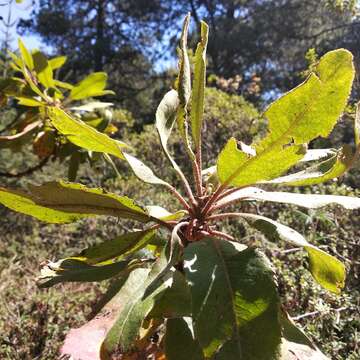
(18,11)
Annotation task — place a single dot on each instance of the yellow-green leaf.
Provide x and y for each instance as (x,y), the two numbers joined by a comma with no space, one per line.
(43,69)
(26,55)
(84,135)
(92,85)
(57,62)
(197,100)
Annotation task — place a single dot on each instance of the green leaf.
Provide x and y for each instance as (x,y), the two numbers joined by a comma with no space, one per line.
(84,135)
(159,212)
(326,270)
(75,270)
(57,62)
(133,310)
(253,169)
(120,246)
(179,341)
(174,301)
(142,171)
(197,100)
(92,85)
(306,112)
(326,170)
(26,55)
(165,118)
(78,198)
(63,84)
(310,201)
(235,301)
(27,101)
(91,106)
(172,252)
(43,69)
(21,138)
(296,342)
(61,202)
(184,85)
(26,204)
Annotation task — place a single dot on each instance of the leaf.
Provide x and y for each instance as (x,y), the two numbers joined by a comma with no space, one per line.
(175,300)
(26,204)
(179,342)
(20,138)
(296,345)
(142,171)
(26,55)
(43,69)
(84,135)
(61,202)
(310,201)
(91,106)
(73,197)
(134,309)
(252,169)
(63,84)
(197,100)
(76,270)
(57,62)
(235,302)
(93,85)
(184,85)
(165,118)
(28,101)
(319,173)
(317,154)
(306,112)
(326,270)
(85,342)
(172,252)
(159,212)
(120,246)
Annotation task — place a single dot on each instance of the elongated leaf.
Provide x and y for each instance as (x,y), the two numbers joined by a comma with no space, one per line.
(84,135)
(120,246)
(174,301)
(326,270)
(235,302)
(308,111)
(26,55)
(75,270)
(85,342)
(252,169)
(197,100)
(296,345)
(43,69)
(159,212)
(310,201)
(319,173)
(184,86)
(20,138)
(57,62)
(171,252)
(179,342)
(91,106)
(134,309)
(60,202)
(317,154)
(26,204)
(92,85)
(142,171)
(28,101)
(78,198)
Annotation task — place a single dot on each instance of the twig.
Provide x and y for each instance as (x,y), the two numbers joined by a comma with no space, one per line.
(322,312)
